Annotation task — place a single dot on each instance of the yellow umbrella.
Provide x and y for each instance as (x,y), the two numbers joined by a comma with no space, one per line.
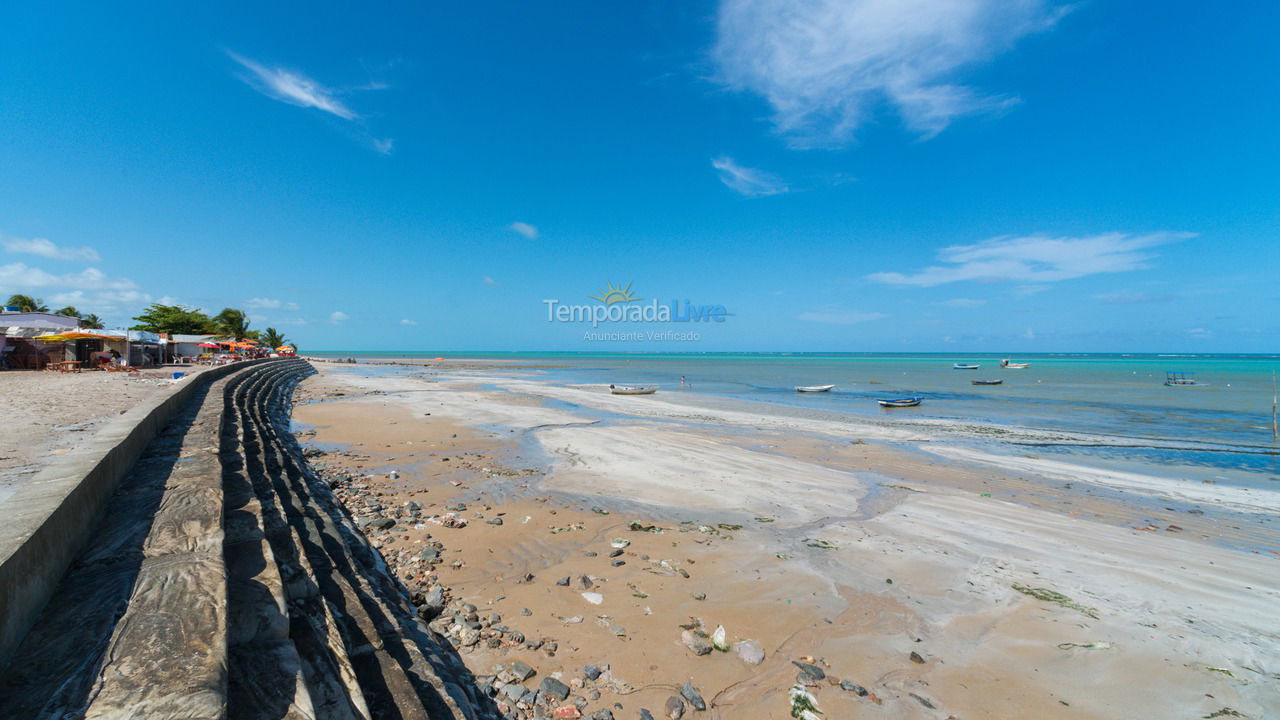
(52,338)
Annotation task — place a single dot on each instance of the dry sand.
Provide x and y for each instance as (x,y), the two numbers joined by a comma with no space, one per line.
(856,554)
(46,414)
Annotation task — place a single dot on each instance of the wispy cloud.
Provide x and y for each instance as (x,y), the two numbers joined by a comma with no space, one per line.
(295,88)
(407,321)
(292,87)
(1130,297)
(338,316)
(525,229)
(1035,260)
(47,249)
(839,317)
(490,281)
(825,65)
(747,181)
(964,303)
(261,303)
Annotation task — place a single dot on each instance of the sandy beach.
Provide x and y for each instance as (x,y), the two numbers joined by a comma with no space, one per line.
(58,410)
(603,541)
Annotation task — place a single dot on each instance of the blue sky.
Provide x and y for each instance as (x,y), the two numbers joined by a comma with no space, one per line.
(1007,176)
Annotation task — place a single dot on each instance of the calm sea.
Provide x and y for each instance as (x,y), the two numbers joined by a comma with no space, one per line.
(1223,424)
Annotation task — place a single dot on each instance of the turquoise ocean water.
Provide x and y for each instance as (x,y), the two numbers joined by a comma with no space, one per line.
(1222,426)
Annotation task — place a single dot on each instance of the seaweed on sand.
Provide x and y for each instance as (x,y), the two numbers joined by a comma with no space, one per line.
(1055,597)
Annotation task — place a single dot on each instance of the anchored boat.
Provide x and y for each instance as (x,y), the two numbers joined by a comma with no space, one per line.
(813,388)
(965,366)
(633,389)
(901,402)
(1013,365)
(1181,379)
(988,382)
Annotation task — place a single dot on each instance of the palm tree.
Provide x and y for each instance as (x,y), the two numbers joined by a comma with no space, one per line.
(272,338)
(232,323)
(68,311)
(26,303)
(91,322)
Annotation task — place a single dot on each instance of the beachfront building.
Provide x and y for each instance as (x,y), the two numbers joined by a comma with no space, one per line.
(178,346)
(19,347)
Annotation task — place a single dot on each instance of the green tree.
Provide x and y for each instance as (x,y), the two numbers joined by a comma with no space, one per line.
(26,303)
(232,323)
(178,319)
(91,322)
(68,311)
(272,338)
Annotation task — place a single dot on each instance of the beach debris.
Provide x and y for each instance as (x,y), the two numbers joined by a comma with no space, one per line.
(853,687)
(599,511)
(915,658)
(690,693)
(593,598)
(1055,597)
(619,543)
(763,519)
(602,714)
(1221,670)
(567,711)
(696,642)
(637,526)
(728,526)
(810,669)
(923,701)
(803,704)
(698,596)
(749,651)
(554,689)
(571,620)
(674,708)
(1085,646)
(494,521)
(563,582)
(645,714)
(820,544)
(718,640)
(393,475)
(1224,712)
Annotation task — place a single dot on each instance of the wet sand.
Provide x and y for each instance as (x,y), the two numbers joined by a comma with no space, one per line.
(851,554)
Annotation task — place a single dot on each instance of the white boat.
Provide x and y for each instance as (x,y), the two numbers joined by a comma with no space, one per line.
(813,388)
(965,366)
(901,402)
(1013,365)
(633,389)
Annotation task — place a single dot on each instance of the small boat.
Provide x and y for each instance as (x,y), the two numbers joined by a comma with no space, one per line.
(965,366)
(633,389)
(988,382)
(1181,379)
(813,388)
(901,402)
(1013,365)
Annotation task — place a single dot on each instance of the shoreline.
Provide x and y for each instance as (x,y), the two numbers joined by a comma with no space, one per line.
(871,513)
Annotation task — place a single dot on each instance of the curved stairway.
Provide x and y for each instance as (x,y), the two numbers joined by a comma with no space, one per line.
(225,581)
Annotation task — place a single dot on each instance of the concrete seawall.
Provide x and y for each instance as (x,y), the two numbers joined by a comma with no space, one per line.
(45,524)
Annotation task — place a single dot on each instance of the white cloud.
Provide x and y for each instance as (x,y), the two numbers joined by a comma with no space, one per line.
(839,317)
(524,229)
(20,276)
(383,145)
(46,248)
(407,321)
(261,303)
(490,281)
(338,316)
(1130,297)
(745,180)
(292,87)
(1035,260)
(825,65)
(964,303)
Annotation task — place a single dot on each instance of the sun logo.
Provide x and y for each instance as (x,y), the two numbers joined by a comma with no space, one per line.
(614,294)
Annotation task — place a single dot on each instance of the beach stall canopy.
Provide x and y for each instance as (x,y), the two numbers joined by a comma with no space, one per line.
(208,345)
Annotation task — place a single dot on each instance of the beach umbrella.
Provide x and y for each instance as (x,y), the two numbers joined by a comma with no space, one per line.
(51,338)
(213,346)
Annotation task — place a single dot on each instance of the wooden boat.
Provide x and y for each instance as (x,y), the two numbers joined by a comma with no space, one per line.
(1181,379)
(988,382)
(813,388)
(901,402)
(965,366)
(1013,365)
(633,389)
